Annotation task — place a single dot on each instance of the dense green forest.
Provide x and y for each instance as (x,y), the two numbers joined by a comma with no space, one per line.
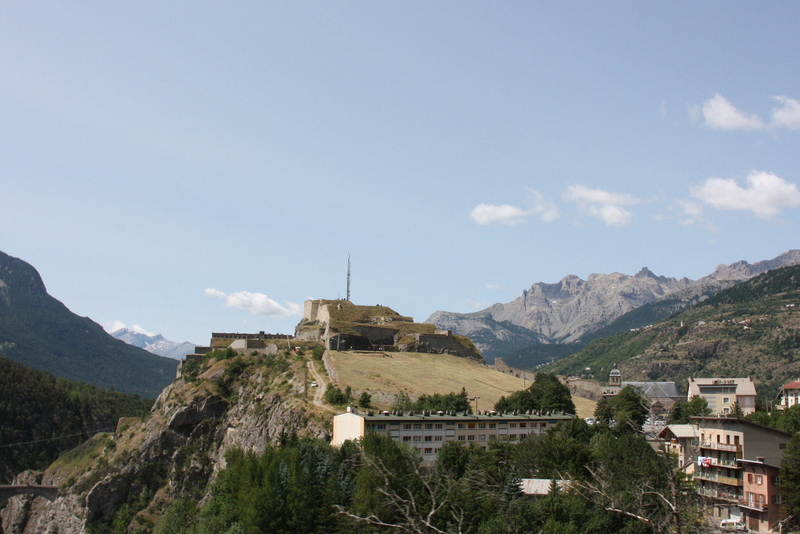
(41,416)
(619,484)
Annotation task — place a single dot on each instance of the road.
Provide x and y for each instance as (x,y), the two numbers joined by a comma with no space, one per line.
(319,391)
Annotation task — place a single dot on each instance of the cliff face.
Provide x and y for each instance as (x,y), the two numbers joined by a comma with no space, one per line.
(571,308)
(249,402)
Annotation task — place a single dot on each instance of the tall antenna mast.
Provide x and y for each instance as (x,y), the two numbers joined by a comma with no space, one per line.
(348,277)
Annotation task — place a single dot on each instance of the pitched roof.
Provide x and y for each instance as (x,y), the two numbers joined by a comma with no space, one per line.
(792,385)
(657,390)
(682,431)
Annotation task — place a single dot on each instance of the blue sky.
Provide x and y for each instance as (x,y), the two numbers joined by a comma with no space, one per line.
(191,167)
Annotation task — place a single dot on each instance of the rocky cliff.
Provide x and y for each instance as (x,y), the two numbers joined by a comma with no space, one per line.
(129,476)
(566,311)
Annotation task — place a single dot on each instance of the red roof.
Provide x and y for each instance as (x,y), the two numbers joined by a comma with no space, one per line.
(792,385)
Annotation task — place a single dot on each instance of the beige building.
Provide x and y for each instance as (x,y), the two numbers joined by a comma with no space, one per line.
(736,470)
(428,431)
(722,393)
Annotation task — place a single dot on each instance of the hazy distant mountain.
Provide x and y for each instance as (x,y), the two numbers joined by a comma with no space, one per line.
(156,344)
(569,310)
(38,331)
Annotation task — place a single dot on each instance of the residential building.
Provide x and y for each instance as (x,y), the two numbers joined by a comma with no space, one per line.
(761,495)
(722,393)
(682,441)
(428,431)
(729,451)
(789,395)
(662,395)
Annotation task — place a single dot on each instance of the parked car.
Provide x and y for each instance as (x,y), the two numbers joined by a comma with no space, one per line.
(314,384)
(732,525)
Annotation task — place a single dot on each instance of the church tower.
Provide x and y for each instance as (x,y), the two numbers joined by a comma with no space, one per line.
(615,378)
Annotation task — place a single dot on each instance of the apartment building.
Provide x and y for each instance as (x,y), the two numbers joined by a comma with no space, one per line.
(736,470)
(761,495)
(722,393)
(428,431)
(789,395)
(681,441)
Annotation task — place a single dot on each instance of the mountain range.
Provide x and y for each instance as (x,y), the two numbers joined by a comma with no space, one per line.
(573,311)
(155,344)
(750,329)
(39,332)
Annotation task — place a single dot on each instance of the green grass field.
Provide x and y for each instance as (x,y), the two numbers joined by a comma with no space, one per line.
(384,374)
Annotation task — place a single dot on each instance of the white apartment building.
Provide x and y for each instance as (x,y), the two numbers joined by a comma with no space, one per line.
(428,431)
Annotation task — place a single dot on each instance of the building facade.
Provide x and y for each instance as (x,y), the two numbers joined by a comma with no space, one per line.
(429,431)
(733,459)
(722,394)
(661,395)
(789,395)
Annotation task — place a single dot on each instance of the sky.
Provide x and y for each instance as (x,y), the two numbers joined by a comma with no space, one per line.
(194,167)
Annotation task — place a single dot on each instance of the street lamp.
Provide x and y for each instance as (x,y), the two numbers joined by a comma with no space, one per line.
(476,403)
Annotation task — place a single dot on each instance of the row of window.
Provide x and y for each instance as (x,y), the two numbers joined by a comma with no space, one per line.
(461,437)
(460,426)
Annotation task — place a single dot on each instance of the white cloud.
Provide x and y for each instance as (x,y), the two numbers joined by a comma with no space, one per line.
(693,214)
(255,303)
(787,116)
(546,210)
(493,286)
(113,326)
(766,194)
(604,205)
(486,214)
(720,114)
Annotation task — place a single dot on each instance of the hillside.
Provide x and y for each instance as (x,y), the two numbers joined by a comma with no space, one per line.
(752,329)
(41,416)
(384,375)
(38,331)
(572,311)
(225,401)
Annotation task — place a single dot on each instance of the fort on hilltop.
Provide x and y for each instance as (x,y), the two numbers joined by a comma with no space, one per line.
(342,325)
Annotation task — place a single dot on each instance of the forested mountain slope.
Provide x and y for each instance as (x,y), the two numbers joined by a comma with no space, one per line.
(41,416)
(752,329)
(38,331)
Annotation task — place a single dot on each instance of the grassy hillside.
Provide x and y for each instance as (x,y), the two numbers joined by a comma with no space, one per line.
(384,374)
(752,329)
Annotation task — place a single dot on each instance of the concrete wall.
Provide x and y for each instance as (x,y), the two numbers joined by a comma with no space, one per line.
(347,426)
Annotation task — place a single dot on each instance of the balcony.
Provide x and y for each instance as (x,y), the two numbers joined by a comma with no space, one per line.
(713,477)
(753,504)
(732,464)
(720,446)
(716,493)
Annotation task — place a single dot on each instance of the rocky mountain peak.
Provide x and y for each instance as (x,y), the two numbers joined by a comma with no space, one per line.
(568,310)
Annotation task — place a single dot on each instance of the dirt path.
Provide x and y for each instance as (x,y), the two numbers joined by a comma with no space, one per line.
(319,391)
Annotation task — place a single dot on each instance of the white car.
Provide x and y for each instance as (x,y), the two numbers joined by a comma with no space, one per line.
(732,525)
(314,384)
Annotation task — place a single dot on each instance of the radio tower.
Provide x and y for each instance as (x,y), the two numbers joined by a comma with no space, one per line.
(348,277)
